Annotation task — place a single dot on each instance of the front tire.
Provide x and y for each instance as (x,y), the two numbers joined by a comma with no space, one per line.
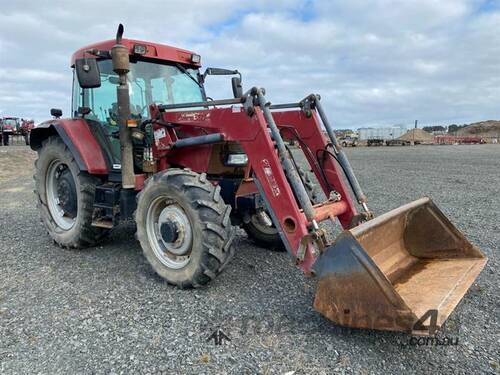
(184,227)
(268,236)
(65,196)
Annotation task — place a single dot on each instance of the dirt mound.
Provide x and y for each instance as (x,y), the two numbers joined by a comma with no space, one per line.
(417,135)
(490,128)
(16,161)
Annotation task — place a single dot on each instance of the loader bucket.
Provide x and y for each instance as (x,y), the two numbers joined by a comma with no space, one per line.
(393,270)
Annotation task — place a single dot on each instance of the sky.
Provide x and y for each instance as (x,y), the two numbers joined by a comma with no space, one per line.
(374,63)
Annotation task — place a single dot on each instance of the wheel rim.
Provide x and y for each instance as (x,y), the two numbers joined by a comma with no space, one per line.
(261,227)
(61,195)
(169,233)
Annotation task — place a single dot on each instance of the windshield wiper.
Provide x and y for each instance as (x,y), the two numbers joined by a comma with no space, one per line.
(184,70)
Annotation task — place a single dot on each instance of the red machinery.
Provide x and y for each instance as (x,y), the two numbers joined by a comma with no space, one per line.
(26,128)
(9,126)
(461,140)
(144,139)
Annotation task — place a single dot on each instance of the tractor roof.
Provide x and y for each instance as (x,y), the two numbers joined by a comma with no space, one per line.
(153,51)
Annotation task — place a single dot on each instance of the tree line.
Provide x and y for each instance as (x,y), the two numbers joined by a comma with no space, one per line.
(450,129)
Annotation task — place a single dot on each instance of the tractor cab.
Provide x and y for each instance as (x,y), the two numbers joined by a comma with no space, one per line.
(158,74)
(150,81)
(11,125)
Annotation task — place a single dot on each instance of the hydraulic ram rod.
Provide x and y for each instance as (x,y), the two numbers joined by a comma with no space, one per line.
(199,140)
(292,174)
(340,155)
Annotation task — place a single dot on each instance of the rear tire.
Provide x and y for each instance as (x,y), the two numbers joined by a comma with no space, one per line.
(184,227)
(268,236)
(68,229)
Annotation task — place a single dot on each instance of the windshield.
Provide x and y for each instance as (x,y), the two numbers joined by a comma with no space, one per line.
(10,121)
(162,84)
(148,83)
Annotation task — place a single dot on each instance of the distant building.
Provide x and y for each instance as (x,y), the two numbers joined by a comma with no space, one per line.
(381,133)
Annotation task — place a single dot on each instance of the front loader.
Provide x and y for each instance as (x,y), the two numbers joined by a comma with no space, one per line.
(144,142)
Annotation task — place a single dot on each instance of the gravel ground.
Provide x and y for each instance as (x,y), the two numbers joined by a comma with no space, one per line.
(102,310)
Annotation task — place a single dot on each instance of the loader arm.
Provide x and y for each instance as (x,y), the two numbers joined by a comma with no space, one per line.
(248,122)
(252,134)
(298,126)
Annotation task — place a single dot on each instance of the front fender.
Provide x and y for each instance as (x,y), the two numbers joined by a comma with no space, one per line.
(79,139)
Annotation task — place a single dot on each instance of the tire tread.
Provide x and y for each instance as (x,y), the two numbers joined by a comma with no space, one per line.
(212,217)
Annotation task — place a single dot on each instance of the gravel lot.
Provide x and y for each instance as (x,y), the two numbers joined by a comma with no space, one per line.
(102,310)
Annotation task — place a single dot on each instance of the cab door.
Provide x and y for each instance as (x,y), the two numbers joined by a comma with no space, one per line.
(103,116)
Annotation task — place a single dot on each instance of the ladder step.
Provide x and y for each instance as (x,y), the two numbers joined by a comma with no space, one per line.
(101,223)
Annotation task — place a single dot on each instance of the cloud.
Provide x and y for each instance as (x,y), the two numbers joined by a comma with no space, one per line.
(374,63)
(19,75)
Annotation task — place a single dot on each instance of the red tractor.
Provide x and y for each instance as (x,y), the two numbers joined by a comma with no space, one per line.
(144,142)
(9,127)
(26,128)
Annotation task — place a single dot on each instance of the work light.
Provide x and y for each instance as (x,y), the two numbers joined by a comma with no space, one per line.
(140,49)
(195,58)
(236,160)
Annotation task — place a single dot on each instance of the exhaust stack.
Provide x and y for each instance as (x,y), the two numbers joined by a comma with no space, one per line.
(121,62)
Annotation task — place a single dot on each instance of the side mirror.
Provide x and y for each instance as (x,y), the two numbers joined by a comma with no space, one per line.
(237,88)
(219,72)
(87,73)
(56,112)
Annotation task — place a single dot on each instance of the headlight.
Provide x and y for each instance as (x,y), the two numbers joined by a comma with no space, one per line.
(236,160)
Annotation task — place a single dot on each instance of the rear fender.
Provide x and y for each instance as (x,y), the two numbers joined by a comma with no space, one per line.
(77,136)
